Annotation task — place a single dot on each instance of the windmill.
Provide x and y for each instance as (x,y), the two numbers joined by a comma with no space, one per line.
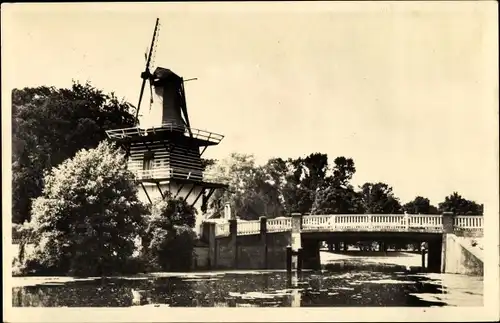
(169,87)
(164,152)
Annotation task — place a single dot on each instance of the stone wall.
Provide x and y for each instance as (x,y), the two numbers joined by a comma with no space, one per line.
(224,253)
(201,258)
(252,251)
(459,260)
(276,249)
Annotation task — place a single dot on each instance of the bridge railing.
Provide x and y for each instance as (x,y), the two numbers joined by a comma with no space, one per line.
(468,223)
(393,222)
(279,225)
(372,222)
(222,229)
(426,222)
(358,222)
(248,227)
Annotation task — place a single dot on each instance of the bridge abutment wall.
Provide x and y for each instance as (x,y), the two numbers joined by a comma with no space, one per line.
(456,257)
(459,259)
(266,250)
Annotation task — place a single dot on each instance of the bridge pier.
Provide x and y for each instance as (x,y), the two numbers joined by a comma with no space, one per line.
(434,256)
(382,246)
(310,254)
(212,245)
(448,227)
(294,258)
(263,242)
(233,235)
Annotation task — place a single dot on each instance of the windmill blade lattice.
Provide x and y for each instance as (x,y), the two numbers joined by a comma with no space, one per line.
(146,75)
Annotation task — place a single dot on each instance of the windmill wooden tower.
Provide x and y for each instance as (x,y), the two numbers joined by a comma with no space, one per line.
(164,151)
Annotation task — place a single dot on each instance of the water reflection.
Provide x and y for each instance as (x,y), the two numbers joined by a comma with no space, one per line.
(258,289)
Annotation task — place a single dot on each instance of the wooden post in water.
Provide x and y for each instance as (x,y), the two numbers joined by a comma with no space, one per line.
(423,252)
(289,260)
(299,260)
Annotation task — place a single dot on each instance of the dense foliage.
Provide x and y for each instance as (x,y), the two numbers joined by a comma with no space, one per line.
(458,205)
(168,237)
(311,185)
(420,205)
(50,125)
(88,216)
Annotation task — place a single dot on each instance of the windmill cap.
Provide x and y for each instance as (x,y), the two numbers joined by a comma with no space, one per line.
(162,75)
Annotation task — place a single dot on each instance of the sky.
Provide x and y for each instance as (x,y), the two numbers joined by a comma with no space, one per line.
(408,90)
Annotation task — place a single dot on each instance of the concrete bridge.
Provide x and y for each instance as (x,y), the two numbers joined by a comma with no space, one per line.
(262,244)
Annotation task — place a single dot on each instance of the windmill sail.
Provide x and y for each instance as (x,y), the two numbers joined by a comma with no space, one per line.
(147,74)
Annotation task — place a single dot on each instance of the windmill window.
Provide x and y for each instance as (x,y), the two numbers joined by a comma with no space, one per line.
(148,160)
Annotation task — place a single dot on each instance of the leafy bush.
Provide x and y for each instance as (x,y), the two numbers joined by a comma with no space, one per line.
(88,216)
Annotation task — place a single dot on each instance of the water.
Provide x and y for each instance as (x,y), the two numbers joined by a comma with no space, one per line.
(332,288)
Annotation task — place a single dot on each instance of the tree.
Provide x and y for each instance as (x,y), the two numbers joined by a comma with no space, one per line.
(312,170)
(249,192)
(281,187)
(378,198)
(50,125)
(460,206)
(337,195)
(420,205)
(338,200)
(176,211)
(343,170)
(296,181)
(168,236)
(206,162)
(88,216)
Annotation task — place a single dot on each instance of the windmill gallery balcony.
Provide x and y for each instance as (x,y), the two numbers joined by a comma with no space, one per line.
(177,173)
(206,138)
